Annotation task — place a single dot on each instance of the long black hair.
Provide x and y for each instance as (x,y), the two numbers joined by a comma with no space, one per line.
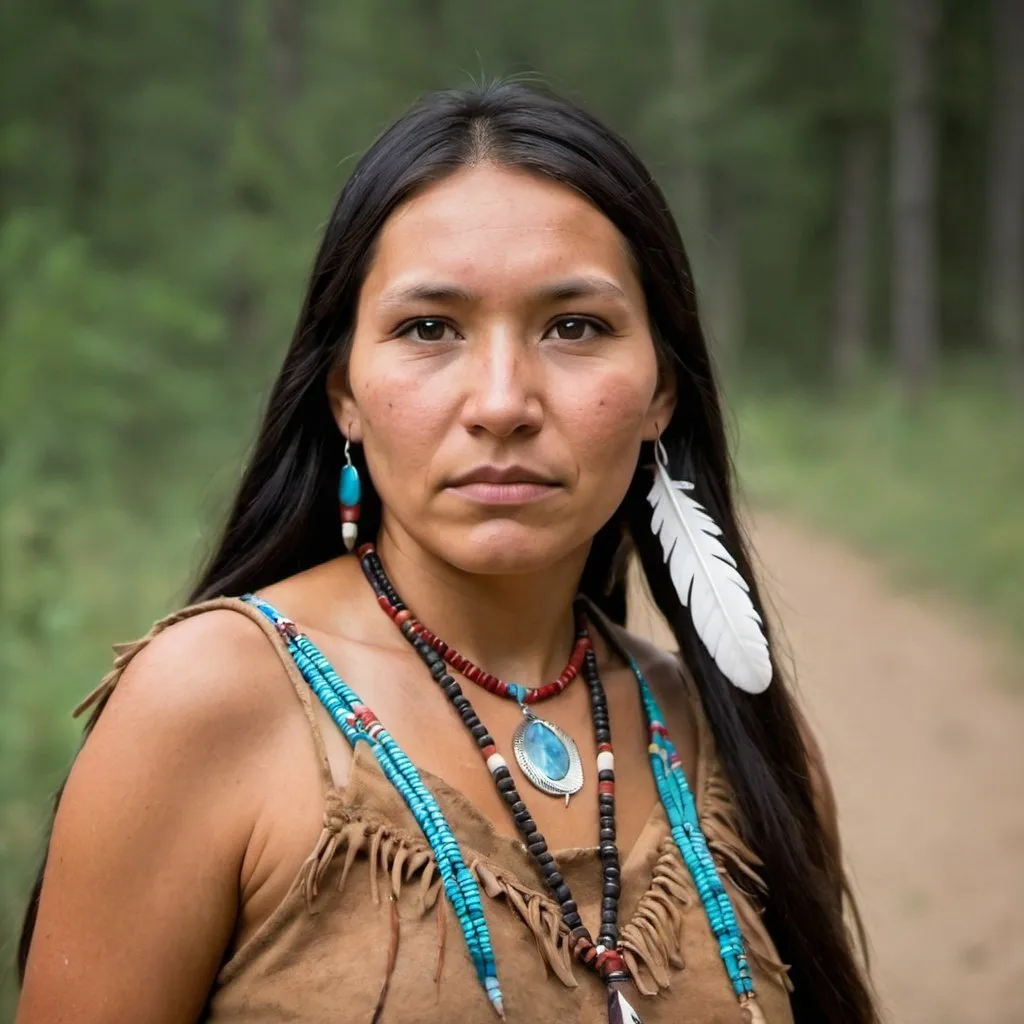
(284,517)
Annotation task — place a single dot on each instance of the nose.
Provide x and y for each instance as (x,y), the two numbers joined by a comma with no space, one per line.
(503,387)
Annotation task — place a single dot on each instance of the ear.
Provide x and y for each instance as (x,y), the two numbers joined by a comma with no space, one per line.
(343,405)
(662,406)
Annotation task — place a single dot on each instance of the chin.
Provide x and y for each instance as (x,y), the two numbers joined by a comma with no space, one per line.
(505,547)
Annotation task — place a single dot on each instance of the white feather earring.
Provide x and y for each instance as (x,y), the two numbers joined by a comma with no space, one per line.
(707,581)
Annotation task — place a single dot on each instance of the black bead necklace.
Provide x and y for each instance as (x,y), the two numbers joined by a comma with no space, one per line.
(603,956)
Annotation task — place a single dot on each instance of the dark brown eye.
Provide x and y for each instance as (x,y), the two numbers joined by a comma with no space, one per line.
(573,328)
(430,330)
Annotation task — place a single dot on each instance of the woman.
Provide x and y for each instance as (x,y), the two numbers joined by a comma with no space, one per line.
(500,348)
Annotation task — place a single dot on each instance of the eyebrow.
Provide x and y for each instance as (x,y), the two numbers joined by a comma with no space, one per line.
(582,288)
(566,288)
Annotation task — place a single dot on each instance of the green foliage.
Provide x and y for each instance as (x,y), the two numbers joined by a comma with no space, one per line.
(164,173)
(110,422)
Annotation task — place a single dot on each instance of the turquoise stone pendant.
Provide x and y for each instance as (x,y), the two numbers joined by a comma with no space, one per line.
(548,757)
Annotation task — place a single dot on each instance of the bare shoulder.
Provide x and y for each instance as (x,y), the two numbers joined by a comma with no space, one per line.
(214,674)
(154,825)
(184,724)
(199,712)
(201,717)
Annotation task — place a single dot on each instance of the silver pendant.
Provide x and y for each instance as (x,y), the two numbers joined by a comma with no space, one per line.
(548,756)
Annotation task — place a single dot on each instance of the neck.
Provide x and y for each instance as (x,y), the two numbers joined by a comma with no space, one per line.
(519,627)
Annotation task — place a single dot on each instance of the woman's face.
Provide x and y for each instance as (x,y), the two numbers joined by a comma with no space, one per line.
(502,373)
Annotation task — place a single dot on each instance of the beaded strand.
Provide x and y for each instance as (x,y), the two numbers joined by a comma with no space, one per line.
(608,937)
(389,600)
(681,810)
(357,722)
(670,780)
(602,956)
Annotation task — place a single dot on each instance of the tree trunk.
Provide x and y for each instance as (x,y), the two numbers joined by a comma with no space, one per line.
(851,300)
(81,117)
(229,44)
(238,297)
(1004,302)
(726,276)
(287,24)
(915,318)
(686,28)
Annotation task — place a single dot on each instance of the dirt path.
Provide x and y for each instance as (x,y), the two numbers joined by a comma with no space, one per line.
(925,745)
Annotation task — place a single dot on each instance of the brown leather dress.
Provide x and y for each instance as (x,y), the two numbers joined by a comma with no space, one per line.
(365,934)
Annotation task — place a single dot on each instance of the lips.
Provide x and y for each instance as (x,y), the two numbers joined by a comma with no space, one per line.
(504,485)
(502,475)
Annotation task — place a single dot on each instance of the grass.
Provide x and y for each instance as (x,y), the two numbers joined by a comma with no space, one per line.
(96,578)
(936,492)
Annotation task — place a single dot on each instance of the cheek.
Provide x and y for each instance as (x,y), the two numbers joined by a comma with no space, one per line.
(402,425)
(609,428)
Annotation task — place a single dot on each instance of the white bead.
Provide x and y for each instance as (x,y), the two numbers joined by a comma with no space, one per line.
(496,761)
(349,532)
(606,761)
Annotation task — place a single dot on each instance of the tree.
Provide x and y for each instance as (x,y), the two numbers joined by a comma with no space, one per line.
(708,205)
(687,34)
(851,299)
(915,327)
(1003,292)
(859,38)
(287,36)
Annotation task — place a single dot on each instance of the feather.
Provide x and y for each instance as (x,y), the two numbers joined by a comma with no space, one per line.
(708,582)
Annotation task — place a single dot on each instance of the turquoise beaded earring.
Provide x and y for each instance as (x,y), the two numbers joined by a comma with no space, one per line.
(349,493)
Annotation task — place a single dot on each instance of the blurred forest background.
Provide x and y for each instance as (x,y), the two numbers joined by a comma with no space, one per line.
(849,178)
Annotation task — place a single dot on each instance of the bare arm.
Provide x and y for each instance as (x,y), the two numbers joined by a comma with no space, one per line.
(140,894)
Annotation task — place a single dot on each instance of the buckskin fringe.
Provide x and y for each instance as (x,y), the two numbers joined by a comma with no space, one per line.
(652,939)
(540,913)
(97,699)
(738,863)
(756,939)
(718,820)
(400,858)
(394,936)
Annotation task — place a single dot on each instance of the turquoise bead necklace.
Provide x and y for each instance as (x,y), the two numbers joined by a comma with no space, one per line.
(547,754)
(358,723)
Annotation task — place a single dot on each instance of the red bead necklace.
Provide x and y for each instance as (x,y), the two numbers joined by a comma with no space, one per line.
(399,614)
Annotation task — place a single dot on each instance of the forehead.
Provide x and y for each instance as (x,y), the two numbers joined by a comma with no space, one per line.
(488,226)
